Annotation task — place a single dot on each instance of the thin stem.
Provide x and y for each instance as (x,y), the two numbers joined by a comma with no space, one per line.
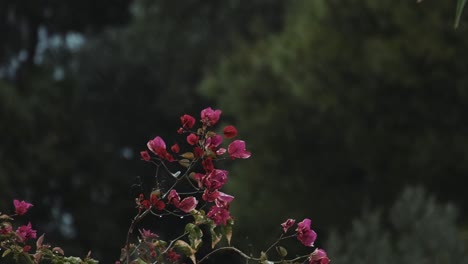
(276,242)
(135,220)
(178,179)
(195,192)
(172,242)
(229,248)
(282,237)
(247,257)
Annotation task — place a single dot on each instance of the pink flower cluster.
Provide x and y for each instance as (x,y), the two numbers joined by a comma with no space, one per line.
(307,237)
(204,147)
(210,143)
(198,152)
(186,205)
(24,232)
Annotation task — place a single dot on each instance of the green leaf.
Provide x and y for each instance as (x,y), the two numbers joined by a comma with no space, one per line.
(228,230)
(281,251)
(195,235)
(139,261)
(184,162)
(188,155)
(216,235)
(186,249)
(25,258)
(6,253)
(460,7)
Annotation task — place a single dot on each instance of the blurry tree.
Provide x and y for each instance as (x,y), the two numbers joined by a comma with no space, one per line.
(419,230)
(350,102)
(20,22)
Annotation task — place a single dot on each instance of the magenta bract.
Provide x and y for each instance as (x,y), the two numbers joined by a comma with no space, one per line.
(288,224)
(237,150)
(219,215)
(187,121)
(304,234)
(319,256)
(188,204)
(26,232)
(21,207)
(209,116)
(229,132)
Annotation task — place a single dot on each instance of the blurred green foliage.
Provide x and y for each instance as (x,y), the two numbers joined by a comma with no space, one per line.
(416,229)
(460,7)
(350,102)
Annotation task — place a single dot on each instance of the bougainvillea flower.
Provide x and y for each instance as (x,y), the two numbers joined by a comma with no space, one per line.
(288,224)
(192,139)
(26,232)
(319,256)
(173,198)
(237,150)
(215,180)
(223,200)
(146,204)
(169,157)
(26,248)
(21,207)
(304,234)
(213,142)
(5,228)
(210,196)
(172,256)
(199,178)
(187,121)
(218,215)
(198,152)
(145,155)
(188,204)
(209,116)
(208,165)
(175,148)
(147,234)
(229,132)
(158,147)
(156,202)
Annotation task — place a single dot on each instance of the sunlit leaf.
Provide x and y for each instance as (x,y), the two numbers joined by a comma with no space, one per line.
(184,162)
(195,235)
(228,230)
(184,248)
(215,235)
(282,251)
(6,253)
(199,216)
(188,155)
(460,7)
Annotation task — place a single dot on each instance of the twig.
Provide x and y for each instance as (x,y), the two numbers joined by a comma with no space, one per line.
(135,220)
(247,257)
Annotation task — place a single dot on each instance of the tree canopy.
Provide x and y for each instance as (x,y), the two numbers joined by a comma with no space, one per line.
(350,102)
